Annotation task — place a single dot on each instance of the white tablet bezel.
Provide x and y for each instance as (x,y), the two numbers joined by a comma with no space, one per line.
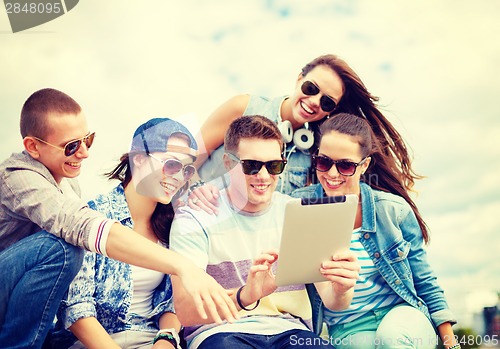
(313,230)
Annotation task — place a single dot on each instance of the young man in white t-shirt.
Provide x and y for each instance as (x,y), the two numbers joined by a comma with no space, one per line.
(241,242)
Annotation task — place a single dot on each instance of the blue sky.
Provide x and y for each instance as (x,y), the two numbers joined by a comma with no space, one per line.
(434,66)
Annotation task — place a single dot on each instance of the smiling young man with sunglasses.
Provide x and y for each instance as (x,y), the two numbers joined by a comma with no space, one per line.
(72,146)
(241,242)
(42,219)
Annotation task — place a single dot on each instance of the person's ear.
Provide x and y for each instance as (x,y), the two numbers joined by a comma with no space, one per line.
(31,146)
(366,164)
(228,162)
(139,159)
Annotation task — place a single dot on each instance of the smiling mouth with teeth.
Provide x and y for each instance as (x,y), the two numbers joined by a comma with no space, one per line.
(334,182)
(306,108)
(168,187)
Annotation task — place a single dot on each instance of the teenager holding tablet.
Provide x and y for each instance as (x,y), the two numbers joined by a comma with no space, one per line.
(238,248)
(397,300)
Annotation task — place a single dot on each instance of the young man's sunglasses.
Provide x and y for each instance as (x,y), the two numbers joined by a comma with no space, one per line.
(173,166)
(345,168)
(252,167)
(309,88)
(72,146)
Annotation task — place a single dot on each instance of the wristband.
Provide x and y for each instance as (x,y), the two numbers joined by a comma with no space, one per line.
(170,335)
(238,299)
(195,185)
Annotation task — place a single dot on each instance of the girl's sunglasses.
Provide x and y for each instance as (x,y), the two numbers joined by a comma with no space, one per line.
(173,166)
(344,167)
(309,88)
(252,167)
(72,146)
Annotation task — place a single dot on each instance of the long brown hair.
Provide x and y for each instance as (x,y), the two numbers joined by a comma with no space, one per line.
(357,100)
(381,173)
(163,215)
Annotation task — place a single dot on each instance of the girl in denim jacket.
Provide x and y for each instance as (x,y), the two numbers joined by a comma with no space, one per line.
(112,304)
(397,301)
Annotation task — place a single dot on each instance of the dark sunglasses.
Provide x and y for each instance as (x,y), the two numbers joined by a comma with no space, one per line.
(252,167)
(344,167)
(174,166)
(72,146)
(326,103)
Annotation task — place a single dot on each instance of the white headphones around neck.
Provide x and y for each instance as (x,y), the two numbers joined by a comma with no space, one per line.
(303,138)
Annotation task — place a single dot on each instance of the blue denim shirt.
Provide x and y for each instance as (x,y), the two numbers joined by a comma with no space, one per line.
(296,171)
(393,240)
(103,287)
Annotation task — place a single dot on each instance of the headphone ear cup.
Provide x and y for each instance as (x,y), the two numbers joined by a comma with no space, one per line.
(303,139)
(286,130)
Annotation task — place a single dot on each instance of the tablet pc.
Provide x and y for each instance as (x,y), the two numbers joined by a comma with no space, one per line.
(313,230)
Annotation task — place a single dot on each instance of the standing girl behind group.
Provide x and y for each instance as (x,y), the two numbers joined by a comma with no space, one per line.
(397,301)
(325,85)
(113,304)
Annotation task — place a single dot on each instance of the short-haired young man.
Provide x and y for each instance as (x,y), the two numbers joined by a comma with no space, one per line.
(42,217)
(240,244)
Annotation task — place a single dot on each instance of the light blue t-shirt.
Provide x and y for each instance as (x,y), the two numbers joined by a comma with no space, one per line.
(225,246)
(370,292)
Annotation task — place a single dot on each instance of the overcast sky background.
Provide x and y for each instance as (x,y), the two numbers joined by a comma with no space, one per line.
(434,65)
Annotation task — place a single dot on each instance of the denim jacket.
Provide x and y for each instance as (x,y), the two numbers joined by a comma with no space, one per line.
(393,240)
(103,287)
